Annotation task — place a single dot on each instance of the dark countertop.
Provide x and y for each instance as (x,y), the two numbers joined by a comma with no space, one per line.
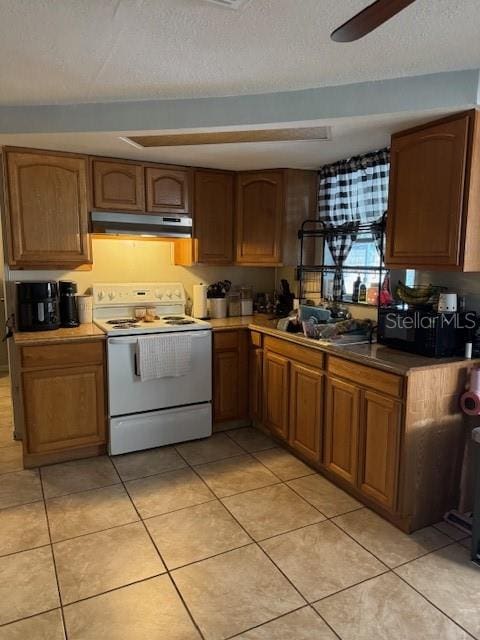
(373,355)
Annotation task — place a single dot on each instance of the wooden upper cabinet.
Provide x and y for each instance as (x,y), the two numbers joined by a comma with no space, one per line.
(434,196)
(118,185)
(213,221)
(47,209)
(341,429)
(306,410)
(260,213)
(270,207)
(379,448)
(168,190)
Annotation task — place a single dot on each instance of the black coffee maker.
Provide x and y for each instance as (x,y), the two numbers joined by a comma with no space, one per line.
(68,303)
(37,306)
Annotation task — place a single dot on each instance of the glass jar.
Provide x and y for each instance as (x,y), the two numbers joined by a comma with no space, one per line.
(234,304)
(246,300)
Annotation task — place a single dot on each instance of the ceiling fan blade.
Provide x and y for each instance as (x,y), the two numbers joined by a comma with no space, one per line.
(369,19)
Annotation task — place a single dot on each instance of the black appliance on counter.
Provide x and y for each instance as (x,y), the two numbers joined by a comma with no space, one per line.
(37,306)
(68,303)
(425,332)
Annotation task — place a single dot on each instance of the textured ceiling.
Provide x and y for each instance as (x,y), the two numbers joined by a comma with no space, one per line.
(69,51)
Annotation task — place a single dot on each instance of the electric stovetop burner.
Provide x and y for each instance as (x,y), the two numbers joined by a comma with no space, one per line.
(125,325)
(172,318)
(180,321)
(120,321)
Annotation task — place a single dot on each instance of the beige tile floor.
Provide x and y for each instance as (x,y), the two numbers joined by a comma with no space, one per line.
(225,538)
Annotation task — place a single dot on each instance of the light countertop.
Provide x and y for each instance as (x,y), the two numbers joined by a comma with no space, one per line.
(84,332)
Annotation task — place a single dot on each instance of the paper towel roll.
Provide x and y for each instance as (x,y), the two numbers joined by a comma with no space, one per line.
(470,403)
(199,309)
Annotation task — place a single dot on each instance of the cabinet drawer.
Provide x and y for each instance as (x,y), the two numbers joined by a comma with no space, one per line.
(55,355)
(255,339)
(224,340)
(388,383)
(306,355)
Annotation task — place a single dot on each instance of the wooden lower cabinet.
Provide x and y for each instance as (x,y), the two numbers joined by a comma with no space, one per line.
(306,410)
(64,408)
(63,405)
(341,429)
(255,384)
(275,393)
(362,439)
(379,448)
(230,377)
(395,442)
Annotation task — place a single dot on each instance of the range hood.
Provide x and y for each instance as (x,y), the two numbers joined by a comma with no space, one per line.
(133,224)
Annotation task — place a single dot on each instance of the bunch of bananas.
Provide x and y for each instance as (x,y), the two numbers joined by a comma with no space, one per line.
(414,295)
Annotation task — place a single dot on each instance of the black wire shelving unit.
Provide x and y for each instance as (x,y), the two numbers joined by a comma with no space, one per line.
(314,228)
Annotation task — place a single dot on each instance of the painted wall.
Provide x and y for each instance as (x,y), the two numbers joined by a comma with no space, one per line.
(117,260)
(465,284)
(454,89)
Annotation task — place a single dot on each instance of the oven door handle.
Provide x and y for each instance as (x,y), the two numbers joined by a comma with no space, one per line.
(122,340)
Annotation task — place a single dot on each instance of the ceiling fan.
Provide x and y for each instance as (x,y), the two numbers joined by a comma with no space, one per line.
(369,19)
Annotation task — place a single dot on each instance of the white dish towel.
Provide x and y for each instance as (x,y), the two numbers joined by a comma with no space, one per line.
(163,356)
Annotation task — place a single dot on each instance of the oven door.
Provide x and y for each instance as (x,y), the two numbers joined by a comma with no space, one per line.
(128,394)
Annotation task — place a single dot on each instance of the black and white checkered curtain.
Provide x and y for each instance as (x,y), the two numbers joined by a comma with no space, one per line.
(352,192)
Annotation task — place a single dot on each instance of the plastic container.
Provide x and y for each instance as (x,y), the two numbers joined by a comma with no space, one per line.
(246,307)
(246,301)
(85,309)
(234,304)
(372,293)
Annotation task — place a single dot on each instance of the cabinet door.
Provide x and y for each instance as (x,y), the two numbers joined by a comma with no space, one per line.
(255,374)
(306,410)
(379,448)
(118,186)
(341,429)
(47,216)
(64,408)
(230,372)
(275,394)
(260,212)
(426,195)
(213,217)
(168,190)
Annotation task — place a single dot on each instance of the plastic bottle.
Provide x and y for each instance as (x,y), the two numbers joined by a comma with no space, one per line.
(356,289)
(362,292)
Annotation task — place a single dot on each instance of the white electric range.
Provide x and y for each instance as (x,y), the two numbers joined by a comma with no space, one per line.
(146,414)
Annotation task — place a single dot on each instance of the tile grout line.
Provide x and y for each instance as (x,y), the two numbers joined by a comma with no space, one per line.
(443,546)
(433,604)
(167,572)
(262,551)
(252,454)
(29,617)
(53,555)
(392,570)
(258,626)
(388,569)
(216,498)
